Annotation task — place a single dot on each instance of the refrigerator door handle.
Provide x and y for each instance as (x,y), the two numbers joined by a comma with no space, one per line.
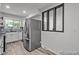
(28,36)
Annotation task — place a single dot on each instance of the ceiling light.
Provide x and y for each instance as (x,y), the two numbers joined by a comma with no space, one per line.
(7,6)
(24,11)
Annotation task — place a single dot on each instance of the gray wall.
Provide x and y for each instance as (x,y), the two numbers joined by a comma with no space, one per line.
(69,40)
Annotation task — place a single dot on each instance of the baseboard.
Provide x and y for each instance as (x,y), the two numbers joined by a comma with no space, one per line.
(13,41)
(50,50)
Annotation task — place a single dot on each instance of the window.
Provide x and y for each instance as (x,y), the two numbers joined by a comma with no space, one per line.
(13,24)
(59,18)
(45,21)
(53,19)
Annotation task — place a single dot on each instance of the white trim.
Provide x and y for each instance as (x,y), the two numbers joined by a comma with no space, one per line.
(50,50)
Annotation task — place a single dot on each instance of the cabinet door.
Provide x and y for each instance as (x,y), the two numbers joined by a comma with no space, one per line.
(1,22)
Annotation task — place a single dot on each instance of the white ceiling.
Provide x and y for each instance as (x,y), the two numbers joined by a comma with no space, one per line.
(17,8)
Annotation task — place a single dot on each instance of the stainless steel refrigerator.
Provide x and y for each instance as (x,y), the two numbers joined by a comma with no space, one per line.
(32,34)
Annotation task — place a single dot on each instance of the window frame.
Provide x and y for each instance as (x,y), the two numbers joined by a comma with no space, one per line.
(54,18)
(62,5)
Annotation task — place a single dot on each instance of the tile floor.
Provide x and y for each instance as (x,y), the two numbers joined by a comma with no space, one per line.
(17,48)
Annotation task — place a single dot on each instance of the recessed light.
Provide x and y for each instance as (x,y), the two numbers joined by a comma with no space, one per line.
(24,11)
(7,6)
